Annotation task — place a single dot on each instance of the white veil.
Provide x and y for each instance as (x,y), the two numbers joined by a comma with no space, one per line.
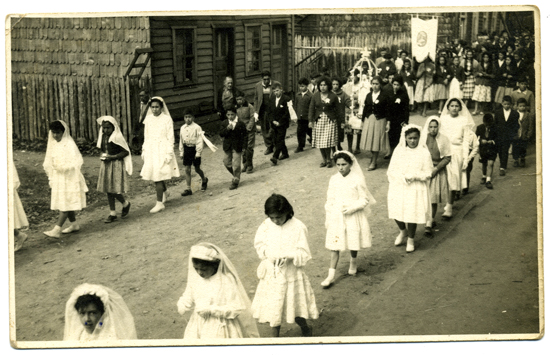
(358,172)
(62,155)
(210,252)
(164,107)
(443,143)
(117,138)
(403,141)
(116,323)
(463,113)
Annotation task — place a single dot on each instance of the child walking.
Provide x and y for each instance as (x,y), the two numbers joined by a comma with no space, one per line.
(303,99)
(221,307)
(234,135)
(245,113)
(487,135)
(525,131)
(62,165)
(191,144)
(346,213)
(284,291)
(116,166)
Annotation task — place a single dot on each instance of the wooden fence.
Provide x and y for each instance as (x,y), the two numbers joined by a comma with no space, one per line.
(38,100)
(339,54)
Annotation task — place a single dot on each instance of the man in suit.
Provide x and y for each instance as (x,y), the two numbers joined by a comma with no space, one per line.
(226,96)
(279,118)
(262,94)
(507,125)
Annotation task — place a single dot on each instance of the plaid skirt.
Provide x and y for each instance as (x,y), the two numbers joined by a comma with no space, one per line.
(324,133)
(468,87)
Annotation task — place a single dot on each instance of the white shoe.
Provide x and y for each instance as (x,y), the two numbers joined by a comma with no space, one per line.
(448,213)
(410,245)
(158,207)
(352,267)
(72,228)
(21,238)
(400,239)
(54,233)
(330,279)
(165,196)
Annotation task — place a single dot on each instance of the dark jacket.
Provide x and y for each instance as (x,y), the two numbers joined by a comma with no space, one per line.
(316,107)
(301,104)
(279,112)
(409,76)
(398,107)
(441,73)
(233,139)
(259,96)
(506,130)
(344,104)
(219,107)
(489,134)
(380,108)
(457,72)
(386,70)
(487,74)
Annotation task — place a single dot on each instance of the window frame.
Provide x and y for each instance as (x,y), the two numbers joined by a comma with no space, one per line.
(194,71)
(249,73)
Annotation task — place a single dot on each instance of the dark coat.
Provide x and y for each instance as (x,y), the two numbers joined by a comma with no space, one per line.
(487,150)
(233,139)
(506,130)
(457,72)
(301,104)
(316,107)
(220,108)
(379,109)
(259,97)
(279,113)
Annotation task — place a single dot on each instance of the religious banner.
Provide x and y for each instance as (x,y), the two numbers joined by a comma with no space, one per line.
(423,38)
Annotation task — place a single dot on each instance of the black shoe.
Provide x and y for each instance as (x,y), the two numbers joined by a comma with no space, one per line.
(110,219)
(268,151)
(489,185)
(273,161)
(516,164)
(502,172)
(187,192)
(483,181)
(387,157)
(465,191)
(234,185)
(298,150)
(522,163)
(284,157)
(428,232)
(204,184)
(125,210)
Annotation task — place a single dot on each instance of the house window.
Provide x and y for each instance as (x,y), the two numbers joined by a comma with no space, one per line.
(185,58)
(253,49)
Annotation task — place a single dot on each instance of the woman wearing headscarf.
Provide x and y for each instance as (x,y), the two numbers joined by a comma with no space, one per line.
(456,120)
(159,160)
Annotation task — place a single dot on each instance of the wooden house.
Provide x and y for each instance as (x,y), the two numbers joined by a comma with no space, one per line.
(192,55)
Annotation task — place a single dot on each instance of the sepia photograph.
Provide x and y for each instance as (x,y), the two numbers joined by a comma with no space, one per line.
(280,175)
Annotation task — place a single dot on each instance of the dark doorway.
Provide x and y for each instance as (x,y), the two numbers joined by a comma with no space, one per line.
(279,55)
(224,56)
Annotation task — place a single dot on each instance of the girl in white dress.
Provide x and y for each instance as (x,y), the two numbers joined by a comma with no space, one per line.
(19,216)
(456,121)
(95,312)
(221,308)
(284,291)
(159,160)
(346,213)
(408,193)
(62,165)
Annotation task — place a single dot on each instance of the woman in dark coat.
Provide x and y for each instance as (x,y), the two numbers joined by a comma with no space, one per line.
(323,116)
(397,111)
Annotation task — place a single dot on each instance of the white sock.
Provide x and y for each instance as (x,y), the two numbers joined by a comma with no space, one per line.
(331,273)
(125,204)
(484,176)
(112,213)
(488,178)
(429,223)
(448,207)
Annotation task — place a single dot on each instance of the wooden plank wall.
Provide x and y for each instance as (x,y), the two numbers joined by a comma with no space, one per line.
(203,91)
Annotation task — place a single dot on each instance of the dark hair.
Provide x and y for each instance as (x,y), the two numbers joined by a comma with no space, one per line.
(356,72)
(397,78)
(521,100)
(387,56)
(339,80)
(266,73)
(188,111)
(407,61)
(57,126)
(110,123)
(239,93)
(84,300)
(404,52)
(278,204)
(157,100)
(439,59)
(507,98)
(434,120)
(326,80)
(230,107)
(303,81)
(488,118)
(276,85)
(377,78)
(213,264)
(511,45)
(454,100)
(342,155)
(412,130)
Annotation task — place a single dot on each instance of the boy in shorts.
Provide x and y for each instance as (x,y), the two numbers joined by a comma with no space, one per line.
(191,144)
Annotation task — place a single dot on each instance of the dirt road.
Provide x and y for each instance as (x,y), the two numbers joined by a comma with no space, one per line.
(477,276)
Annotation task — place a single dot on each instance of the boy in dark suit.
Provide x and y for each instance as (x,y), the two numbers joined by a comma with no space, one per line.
(279,118)
(507,125)
(303,98)
(519,145)
(234,136)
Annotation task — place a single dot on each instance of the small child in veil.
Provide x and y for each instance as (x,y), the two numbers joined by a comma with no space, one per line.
(346,213)
(221,307)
